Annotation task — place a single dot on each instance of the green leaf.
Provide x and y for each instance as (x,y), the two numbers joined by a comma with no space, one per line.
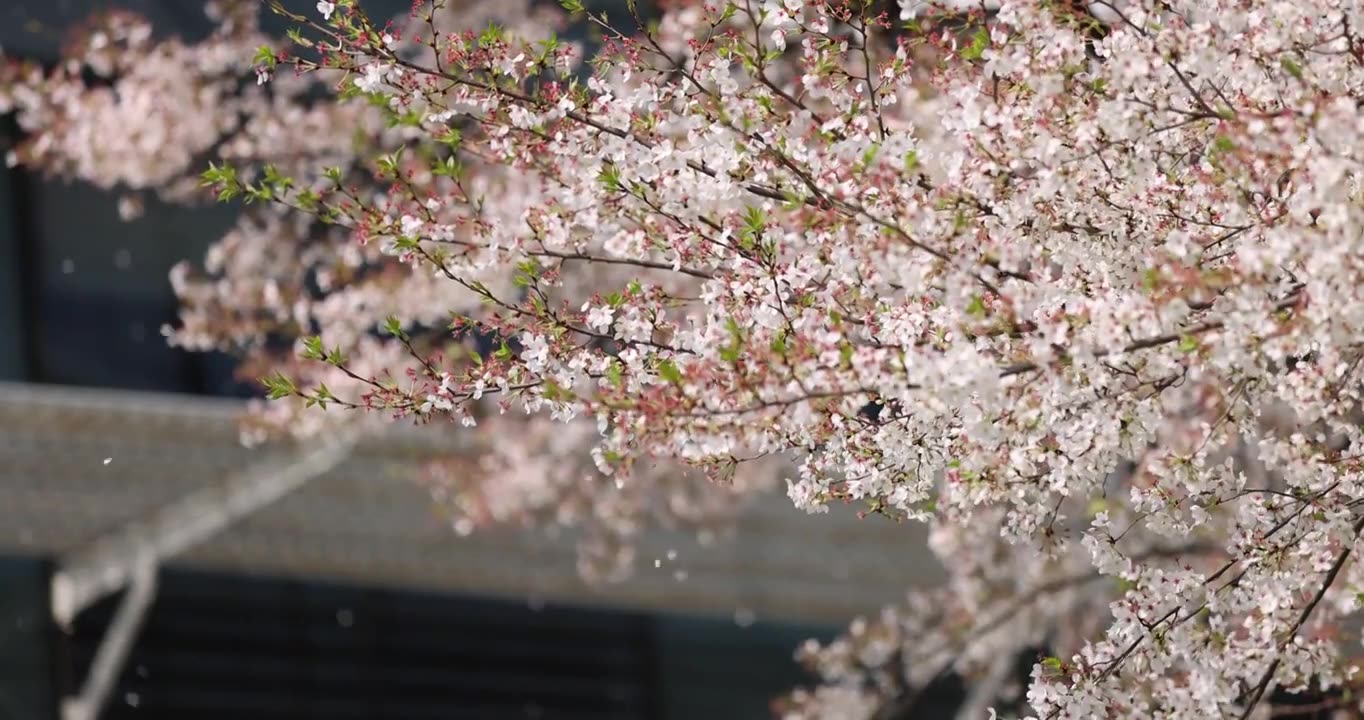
(389,164)
(845,353)
(755,223)
(976,49)
(779,342)
(275,180)
(212,176)
(279,386)
(754,220)
(1188,344)
(222,178)
(450,168)
(308,200)
(668,371)
(296,37)
(869,156)
(312,348)
(731,352)
(976,307)
(405,243)
(491,35)
(911,161)
(265,57)
(610,178)
(1291,67)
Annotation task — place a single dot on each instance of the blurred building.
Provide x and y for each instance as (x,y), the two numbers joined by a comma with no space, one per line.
(350,597)
(347,597)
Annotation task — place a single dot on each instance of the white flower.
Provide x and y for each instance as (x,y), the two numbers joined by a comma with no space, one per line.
(373,78)
(411,226)
(599,318)
(805,495)
(779,40)
(535,352)
(326,8)
(508,66)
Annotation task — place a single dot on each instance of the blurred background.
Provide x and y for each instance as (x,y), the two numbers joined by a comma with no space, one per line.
(347,596)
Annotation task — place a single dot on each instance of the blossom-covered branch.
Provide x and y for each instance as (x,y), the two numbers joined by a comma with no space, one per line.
(115,112)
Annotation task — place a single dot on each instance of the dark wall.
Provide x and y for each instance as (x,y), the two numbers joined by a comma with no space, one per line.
(26,668)
(101,291)
(14,363)
(37,28)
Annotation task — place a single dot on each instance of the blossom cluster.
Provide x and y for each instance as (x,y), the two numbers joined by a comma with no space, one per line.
(140,114)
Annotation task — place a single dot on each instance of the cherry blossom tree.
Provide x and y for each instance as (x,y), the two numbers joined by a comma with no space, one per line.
(1076,285)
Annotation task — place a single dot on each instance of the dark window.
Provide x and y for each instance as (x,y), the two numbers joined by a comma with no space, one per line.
(102,292)
(219,646)
(26,669)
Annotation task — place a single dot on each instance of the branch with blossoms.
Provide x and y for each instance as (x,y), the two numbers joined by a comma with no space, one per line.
(279,279)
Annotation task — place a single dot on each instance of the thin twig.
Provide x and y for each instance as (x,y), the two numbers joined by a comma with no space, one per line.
(1268,675)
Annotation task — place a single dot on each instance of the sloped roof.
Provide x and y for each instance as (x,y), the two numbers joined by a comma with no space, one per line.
(370,521)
